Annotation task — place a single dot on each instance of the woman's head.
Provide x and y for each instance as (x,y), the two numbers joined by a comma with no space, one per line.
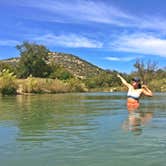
(136,83)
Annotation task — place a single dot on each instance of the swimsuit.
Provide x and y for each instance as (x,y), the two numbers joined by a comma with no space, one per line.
(133,104)
(133,94)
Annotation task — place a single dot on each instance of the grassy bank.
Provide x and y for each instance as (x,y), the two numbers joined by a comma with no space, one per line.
(46,85)
(43,85)
(12,86)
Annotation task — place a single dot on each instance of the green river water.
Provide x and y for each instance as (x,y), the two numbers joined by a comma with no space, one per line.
(82,129)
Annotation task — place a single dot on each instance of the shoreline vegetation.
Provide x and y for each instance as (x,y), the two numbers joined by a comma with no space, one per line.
(10,85)
(40,71)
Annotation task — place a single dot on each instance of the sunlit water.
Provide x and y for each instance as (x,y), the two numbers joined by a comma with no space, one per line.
(86,129)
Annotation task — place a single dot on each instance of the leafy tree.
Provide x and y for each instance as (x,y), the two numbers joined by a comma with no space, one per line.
(33,60)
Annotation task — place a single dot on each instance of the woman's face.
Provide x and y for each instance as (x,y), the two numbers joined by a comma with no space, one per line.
(135,84)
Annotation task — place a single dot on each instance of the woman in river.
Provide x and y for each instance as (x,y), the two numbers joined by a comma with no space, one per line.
(135,90)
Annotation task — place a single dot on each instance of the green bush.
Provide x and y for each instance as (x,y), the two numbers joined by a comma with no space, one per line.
(103,80)
(76,85)
(7,83)
(42,85)
(7,66)
(60,73)
(158,85)
(8,91)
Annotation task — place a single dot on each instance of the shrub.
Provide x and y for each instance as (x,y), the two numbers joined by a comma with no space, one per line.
(60,73)
(7,83)
(42,85)
(158,85)
(76,85)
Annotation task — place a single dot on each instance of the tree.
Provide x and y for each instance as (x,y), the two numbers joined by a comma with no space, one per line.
(146,71)
(33,60)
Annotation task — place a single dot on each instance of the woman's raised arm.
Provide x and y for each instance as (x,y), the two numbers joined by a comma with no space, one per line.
(124,81)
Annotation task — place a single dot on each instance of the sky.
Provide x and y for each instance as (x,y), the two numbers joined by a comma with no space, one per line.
(111,34)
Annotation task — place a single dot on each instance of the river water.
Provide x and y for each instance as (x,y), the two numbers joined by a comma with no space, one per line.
(82,129)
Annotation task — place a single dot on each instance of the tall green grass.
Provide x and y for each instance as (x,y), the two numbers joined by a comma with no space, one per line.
(41,85)
(8,84)
(46,85)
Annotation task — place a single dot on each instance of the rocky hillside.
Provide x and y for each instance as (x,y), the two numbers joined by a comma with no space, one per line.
(78,67)
(75,65)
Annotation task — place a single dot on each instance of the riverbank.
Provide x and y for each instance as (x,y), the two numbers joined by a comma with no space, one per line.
(10,85)
(39,85)
(33,85)
(42,85)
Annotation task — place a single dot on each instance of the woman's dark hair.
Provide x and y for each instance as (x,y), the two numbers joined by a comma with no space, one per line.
(139,86)
(136,79)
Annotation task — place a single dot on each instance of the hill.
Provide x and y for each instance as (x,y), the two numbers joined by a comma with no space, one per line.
(75,65)
(78,67)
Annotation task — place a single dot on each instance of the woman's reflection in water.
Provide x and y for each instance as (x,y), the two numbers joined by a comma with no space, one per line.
(136,121)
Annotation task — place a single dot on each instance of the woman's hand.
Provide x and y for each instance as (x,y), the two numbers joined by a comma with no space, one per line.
(144,86)
(118,76)
(146,91)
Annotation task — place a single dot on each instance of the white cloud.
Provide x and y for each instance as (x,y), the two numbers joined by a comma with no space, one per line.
(68,40)
(78,10)
(126,59)
(9,42)
(140,43)
(83,11)
(151,22)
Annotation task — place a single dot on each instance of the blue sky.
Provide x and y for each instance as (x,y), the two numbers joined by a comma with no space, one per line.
(111,34)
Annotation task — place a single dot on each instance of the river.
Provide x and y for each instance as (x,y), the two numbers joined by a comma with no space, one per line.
(82,129)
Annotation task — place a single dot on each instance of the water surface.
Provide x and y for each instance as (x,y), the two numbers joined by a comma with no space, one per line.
(83,129)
